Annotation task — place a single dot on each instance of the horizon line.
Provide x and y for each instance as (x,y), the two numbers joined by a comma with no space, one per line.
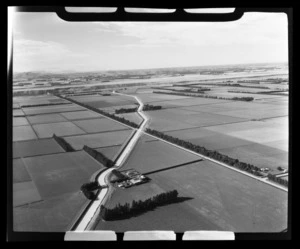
(152,68)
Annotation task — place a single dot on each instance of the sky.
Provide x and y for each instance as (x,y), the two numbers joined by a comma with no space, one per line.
(44,42)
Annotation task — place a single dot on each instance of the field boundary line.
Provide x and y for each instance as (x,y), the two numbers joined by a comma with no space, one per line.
(35,132)
(29,115)
(173,167)
(182,107)
(223,164)
(197,127)
(93,133)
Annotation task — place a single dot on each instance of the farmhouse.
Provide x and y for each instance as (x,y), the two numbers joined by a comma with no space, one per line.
(133,177)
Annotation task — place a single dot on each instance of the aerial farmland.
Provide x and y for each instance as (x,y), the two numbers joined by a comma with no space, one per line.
(47,176)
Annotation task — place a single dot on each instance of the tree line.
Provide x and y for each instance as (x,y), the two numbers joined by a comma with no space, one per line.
(63,143)
(120,119)
(126,110)
(206,96)
(89,188)
(126,210)
(117,176)
(48,104)
(99,157)
(209,153)
(279,180)
(239,85)
(265,93)
(148,107)
(189,90)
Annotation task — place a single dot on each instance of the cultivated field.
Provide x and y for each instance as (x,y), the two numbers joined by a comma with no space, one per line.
(59,129)
(36,147)
(213,198)
(81,115)
(24,132)
(46,179)
(19,121)
(51,109)
(98,101)
(99,139)
(99,125)
(56,180)
(151,155)
(46,118)
(133,117)
(18,112)
(37,100)
(110,152)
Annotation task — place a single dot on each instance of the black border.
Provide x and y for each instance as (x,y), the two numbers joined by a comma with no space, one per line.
(179,15)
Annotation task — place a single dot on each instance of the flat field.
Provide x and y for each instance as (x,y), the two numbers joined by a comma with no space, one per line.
(24,132)
(59,129)
(153,97)
(36,147)
(252,141)
(104,101)
(110,152)
(49,185)
(46,118)
(52,109)
(24,193)
(19,121)
(20,173)
(216,198)
(61,173)
(81,115)
(18,112)
(50,215)
(37,100)
(151,155)
(99,125)
(176,119)
(133,117)
(103,139)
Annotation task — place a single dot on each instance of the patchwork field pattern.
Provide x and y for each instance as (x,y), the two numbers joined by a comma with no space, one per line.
(81,115)
(19,171)
(57,179)
(52,109)
(36,147)
(154,155)
(133,117)
(24,193)
(18,112)
(216,198)
(19,121)
(104,101)
(110,152)
(176,119)
(47,180)
(24,132)
(99,140)
(99,125)
(61,173)
(59,129)
(46,118)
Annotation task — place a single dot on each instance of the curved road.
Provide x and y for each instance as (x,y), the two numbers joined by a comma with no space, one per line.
(94,208)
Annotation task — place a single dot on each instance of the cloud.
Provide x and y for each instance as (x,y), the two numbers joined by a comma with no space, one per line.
(29,54)
(259,28)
